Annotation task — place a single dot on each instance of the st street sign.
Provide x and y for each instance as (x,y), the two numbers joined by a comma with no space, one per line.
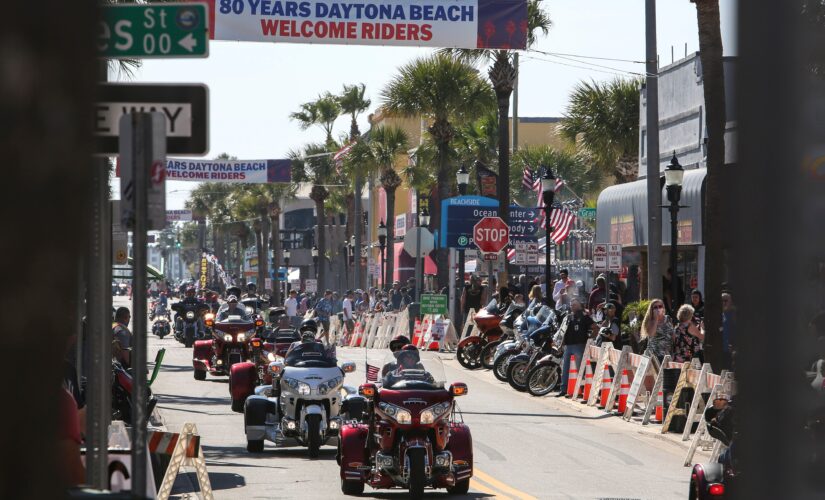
(184,106)
(154,30)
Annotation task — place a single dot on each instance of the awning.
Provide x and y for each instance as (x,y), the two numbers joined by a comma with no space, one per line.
(405,264)
(621,212)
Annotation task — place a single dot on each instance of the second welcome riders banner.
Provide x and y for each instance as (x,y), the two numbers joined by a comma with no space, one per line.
(468,24)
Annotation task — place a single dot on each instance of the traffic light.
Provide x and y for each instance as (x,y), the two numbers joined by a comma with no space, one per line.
(177,244)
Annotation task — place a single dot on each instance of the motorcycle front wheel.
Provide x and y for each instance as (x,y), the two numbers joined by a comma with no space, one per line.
(488,354)
(467,356)
(500,367)
(189,338)
(314,435)
(417,479)
(542,379)
(517,376)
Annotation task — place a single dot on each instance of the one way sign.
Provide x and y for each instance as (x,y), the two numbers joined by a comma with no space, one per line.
(185,108)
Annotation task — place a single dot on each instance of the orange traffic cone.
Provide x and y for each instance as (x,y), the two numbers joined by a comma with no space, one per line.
(660,408)
(588,381)
(607,382)
(623,392)
(572,376)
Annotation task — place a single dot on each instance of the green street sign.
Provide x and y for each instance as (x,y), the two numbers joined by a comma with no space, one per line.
(433,304)
(154,30)
(587,213)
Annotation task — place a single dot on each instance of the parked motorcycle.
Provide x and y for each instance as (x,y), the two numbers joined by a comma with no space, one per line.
(545,374)
(122,382)
(302,406)
(507,324)
(186,322)
(539,344)
(468,352)
(526,324)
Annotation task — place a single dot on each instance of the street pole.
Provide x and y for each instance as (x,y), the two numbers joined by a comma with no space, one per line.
(654,190)
(674,249)
(548,192)
(356,227)
(419,278)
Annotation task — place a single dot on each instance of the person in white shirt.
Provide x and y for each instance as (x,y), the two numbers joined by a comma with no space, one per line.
(291,306)
(349,322)
(560,286)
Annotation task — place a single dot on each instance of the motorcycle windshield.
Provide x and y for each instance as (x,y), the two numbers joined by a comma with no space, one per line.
(310,355)
(406,372)
(238,315)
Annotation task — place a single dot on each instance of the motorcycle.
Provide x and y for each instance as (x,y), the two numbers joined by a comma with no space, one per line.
(255,307)
(413,438)
(186,321)
(245,376)
(468,352)
(122,382)
(538,345)
(525,325)
(228,347)
(302,405)
(716,480)
(507,324)
(545,374)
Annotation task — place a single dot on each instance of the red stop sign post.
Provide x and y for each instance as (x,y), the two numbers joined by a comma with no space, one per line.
(491,235)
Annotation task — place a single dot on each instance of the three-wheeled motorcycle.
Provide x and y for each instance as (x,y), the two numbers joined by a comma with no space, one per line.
(413,438)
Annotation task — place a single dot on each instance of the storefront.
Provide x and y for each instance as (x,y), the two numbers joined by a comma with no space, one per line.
(622,218)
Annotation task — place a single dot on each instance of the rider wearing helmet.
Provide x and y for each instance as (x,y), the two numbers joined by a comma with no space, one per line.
(190,301)
(308,330)
(407,358)
(395,345)
(251,291)
(232,309)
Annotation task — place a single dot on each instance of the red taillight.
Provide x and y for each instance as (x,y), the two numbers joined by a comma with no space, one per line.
(259,323)
(716,490)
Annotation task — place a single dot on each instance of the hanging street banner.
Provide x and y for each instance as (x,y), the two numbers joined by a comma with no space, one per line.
(231,171)
(467,24)
(179,215)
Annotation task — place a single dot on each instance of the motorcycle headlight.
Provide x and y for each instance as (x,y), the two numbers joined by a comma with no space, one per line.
(270,356)
(227,338)
(400,415)
(190,315)
(301,388)
(435,412)
(322,389)
(330,385)
(249,310)
(241,337)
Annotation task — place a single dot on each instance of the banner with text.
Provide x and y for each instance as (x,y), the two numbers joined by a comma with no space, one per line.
(232,171)
(468,24)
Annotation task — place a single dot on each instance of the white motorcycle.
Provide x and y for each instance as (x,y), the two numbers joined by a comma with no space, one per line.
(302,407)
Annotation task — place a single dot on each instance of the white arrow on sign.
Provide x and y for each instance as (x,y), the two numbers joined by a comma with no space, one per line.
(188,42)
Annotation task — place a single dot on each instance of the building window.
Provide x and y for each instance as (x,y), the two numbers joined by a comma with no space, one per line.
(621,230)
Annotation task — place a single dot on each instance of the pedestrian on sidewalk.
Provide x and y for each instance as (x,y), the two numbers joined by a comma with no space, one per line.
(687,341)
(580,328)
(291,306)
(473,296)
(323,310)
(396,297)
(598,294)
(657,332)
(696,300)
(349,318)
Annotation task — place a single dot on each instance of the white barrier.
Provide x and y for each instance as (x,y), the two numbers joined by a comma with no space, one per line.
(187,452)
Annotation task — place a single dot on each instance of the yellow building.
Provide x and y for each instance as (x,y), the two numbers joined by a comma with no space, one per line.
(532,131)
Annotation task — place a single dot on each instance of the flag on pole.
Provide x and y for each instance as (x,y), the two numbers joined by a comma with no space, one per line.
(372,373)
(528,179)
(561,222)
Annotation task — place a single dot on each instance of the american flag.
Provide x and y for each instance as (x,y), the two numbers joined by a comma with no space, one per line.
(343,152)
(511,255)
(540,197)
(527,179)
(372,373)
(561,222)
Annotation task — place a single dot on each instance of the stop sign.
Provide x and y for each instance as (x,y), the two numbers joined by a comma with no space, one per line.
(491,235)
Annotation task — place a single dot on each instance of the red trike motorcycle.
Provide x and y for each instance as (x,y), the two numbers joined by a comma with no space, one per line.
(412,438)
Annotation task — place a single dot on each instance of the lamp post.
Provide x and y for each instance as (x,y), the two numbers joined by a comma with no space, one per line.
(462,180)
(286,265)
(382,244)
(423,222)
(315,260)
(548,192)
(674,174)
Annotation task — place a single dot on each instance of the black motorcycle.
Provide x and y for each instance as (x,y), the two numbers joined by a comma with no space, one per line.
(186,321)
(122,383)
(539,344)
(506,324)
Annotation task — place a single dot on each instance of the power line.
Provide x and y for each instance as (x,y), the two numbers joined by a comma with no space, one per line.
(616,73)
(586,57)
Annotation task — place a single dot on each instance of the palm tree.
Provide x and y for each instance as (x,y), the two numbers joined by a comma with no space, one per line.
(380,153)
(713,78)
(603,118)
(247,204)
(353,102)
(574,167)
(322,111)
(446,92)
(503,75)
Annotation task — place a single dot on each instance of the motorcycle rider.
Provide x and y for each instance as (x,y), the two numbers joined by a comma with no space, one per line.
(308,330)
(189,301)
(251,291)
(121,336)
(232,309)
(408,358)
(395,345)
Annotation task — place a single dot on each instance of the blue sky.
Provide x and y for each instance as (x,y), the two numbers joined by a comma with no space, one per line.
(254,86)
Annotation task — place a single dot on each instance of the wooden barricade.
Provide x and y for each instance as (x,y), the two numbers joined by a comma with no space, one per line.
(725,385)
(657,386)
(592,353)
(640,367)
(688,379)
(469,328)
(707,381)
(186,452)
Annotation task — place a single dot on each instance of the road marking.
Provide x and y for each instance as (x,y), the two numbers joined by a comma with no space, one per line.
(477,485)
(495,483)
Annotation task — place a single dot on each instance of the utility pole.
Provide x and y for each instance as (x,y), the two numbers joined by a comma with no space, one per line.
(654,189)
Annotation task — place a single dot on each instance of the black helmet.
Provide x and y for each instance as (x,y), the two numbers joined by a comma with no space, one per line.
(398,342)
(309,325)
(250,285)
(408,356)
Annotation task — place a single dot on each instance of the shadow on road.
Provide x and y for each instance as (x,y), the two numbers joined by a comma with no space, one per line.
(221,452)
(399,493)
(179,399)
(547,415)
(188,482)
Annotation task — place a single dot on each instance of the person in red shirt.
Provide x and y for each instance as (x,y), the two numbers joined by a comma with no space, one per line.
(72,472)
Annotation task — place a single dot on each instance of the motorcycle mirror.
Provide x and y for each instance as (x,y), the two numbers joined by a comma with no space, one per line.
(276,368)
(458,389)
(367,390)
(348,367)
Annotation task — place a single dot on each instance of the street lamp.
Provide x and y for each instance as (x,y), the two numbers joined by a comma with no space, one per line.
(423,221)
(315,260)
(382,244)
(548,192)
(286,266)
(674,175)
(462,178)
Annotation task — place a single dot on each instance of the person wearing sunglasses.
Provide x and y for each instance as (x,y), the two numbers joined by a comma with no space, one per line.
(657,331)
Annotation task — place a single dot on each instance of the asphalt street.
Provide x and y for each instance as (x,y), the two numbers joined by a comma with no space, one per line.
(524,447)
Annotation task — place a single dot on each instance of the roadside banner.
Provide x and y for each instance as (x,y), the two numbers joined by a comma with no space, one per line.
(231,171)
(184,215)
(468,24)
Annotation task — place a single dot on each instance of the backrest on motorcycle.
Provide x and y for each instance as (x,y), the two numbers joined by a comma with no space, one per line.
(542,334)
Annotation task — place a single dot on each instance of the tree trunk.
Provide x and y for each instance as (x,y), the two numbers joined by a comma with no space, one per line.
(390,265)
(322,244)
(263,255)
(275,298)
(710,51)
(442,192)
(503,77)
